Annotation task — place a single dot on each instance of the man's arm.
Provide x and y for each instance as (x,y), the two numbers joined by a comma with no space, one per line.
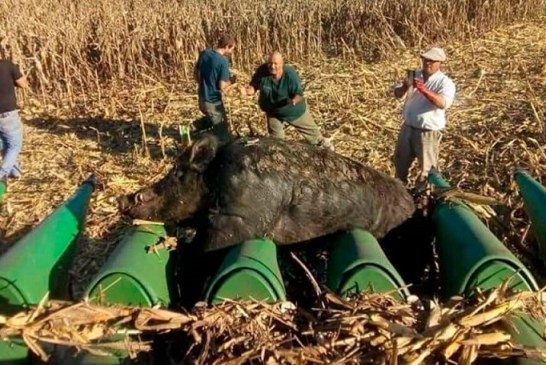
(22,82)
(254,84)
(224,83)
(295,91)
(19,81)
(196,74)
(401,90)
(437,99)
(296,99)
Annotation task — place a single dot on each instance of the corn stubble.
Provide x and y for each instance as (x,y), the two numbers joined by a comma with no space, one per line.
(93,61)
(369,328)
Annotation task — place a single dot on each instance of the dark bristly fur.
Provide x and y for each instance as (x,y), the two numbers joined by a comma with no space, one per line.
(287,191)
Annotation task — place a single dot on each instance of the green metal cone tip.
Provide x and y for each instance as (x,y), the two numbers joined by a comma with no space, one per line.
(91,179)
(519,170)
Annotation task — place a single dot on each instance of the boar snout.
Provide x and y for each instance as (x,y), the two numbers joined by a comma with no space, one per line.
(143,204)
(124,203)
(128,202)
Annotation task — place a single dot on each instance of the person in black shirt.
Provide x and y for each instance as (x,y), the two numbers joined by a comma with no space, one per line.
(11,128)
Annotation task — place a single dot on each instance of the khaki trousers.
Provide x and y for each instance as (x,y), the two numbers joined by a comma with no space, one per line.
(216,116)
(304,125)
(417,143)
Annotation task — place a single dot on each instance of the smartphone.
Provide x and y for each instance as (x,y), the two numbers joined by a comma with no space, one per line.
(410,76)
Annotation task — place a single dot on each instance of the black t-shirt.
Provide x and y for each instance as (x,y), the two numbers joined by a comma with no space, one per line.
(9,72)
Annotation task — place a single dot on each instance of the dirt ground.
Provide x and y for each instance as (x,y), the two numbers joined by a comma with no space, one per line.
(126,136)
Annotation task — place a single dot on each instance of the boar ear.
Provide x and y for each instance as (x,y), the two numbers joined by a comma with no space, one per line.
(203,152)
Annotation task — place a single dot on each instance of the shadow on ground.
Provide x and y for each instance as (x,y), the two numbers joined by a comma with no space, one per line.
(7,241)
(112,135)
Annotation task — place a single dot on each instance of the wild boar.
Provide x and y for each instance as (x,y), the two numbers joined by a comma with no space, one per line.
(283,190)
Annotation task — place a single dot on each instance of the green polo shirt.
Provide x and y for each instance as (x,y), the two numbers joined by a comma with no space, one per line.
(274,94)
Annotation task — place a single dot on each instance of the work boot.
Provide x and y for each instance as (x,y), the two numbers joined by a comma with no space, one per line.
(15,172)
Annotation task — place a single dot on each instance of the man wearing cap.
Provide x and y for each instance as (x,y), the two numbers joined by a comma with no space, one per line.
(429,93)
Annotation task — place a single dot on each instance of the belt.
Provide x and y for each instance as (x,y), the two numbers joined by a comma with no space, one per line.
(423,129)
(5,114)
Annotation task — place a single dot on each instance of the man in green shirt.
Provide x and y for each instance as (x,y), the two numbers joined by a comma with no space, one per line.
(211,72)
(281,98)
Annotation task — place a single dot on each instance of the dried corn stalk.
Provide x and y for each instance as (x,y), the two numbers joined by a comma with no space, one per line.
(368,328)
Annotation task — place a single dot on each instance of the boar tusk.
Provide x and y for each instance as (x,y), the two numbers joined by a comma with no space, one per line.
(139,222)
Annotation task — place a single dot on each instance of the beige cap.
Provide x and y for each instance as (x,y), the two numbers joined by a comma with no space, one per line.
(435,54)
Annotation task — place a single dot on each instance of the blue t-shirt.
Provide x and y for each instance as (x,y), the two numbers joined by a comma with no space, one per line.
(213,68)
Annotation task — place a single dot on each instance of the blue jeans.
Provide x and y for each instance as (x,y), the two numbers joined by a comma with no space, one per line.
(11,141)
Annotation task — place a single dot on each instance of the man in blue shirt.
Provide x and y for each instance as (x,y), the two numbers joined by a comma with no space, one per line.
(211,72)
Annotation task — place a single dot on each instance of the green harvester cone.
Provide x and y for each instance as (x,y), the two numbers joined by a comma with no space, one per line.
(137,273)
(249,271)
(358,264)
(471,257)
(469,254)
(526,331)
(534,200)
(39,263)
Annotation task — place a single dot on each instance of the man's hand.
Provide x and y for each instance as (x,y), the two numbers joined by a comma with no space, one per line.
(295,100)
(420,85)
(436,99)
(401,89)
(22,82)
(247,90)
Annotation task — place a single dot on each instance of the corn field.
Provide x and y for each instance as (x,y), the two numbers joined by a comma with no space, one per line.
(111,85)
(74,47)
